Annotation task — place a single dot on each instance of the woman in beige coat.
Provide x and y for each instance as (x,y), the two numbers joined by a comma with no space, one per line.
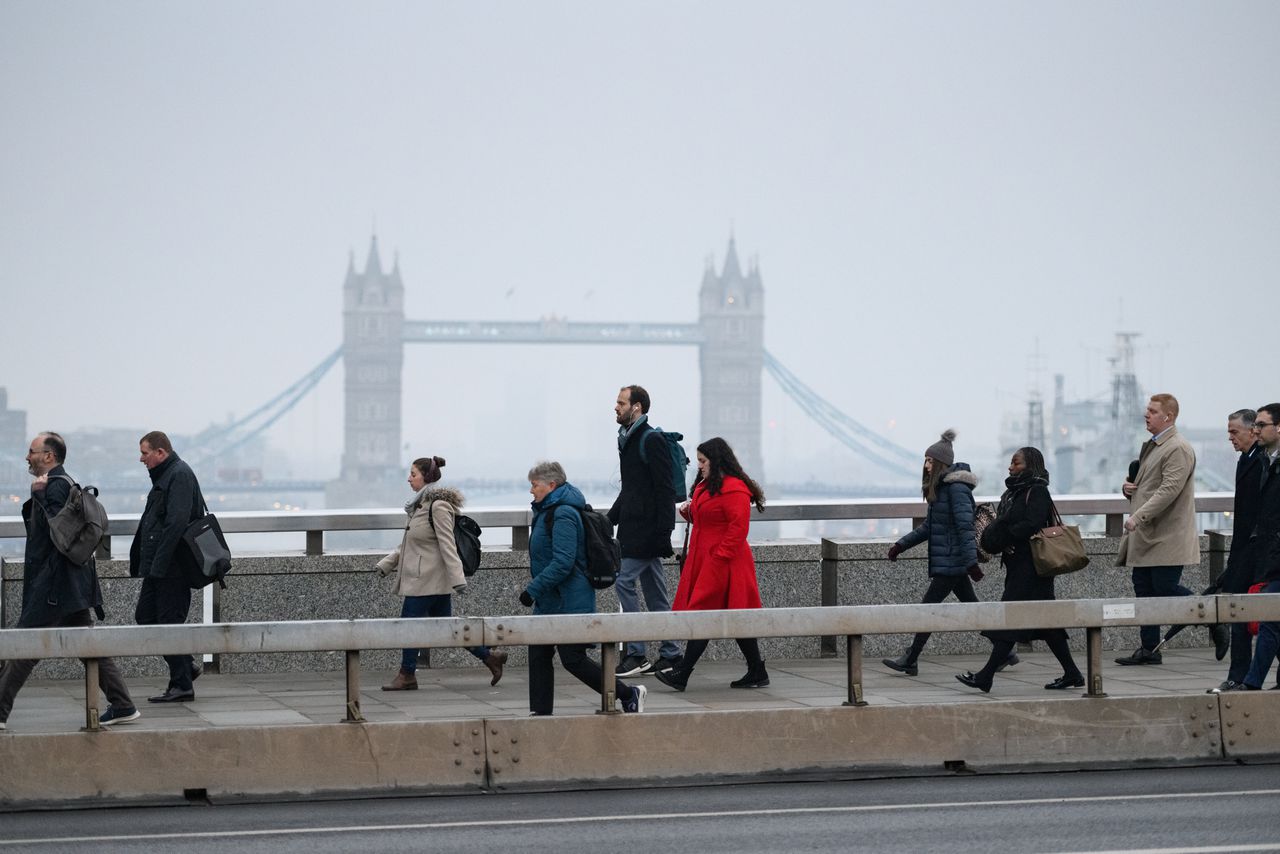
(428,569)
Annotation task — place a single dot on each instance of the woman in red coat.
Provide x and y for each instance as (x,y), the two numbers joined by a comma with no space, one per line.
(719,572)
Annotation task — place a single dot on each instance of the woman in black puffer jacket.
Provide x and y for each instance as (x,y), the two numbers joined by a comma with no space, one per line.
(1024,509)
(948,527)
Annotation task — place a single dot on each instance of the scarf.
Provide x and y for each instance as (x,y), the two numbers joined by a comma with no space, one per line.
(624,433)
(1015,484)
(412,503)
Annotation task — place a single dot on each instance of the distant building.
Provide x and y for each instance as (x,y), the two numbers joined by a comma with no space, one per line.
(13,441)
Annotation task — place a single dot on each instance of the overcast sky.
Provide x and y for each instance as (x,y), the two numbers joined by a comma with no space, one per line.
(933,191)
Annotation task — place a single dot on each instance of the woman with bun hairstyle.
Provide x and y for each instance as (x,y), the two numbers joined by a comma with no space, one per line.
(1024,509)
(947,487)
(719,572)
(428,569)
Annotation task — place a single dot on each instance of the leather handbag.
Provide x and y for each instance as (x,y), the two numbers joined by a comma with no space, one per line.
(210,557)
(1058,549)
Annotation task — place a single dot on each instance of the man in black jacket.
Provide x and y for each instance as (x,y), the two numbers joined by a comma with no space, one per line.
(158,553)
(645,513)
(1238,575)
(55,592)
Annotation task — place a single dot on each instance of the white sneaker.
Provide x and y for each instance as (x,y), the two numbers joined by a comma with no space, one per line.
(636,704)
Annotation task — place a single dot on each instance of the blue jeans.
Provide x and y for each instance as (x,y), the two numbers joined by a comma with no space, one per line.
(648,571)
(1268,642)
(1154,581)
(440,605)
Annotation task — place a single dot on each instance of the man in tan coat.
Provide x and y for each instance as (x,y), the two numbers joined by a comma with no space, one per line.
(1160,534)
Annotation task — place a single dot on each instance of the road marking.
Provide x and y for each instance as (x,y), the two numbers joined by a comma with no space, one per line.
(587,819)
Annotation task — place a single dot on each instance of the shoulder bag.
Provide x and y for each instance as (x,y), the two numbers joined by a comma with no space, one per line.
(1057,549)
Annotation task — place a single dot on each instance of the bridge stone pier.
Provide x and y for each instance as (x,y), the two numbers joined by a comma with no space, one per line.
(729,335)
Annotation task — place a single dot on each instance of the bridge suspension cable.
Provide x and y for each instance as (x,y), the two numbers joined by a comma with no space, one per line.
(853,435)
(218,441)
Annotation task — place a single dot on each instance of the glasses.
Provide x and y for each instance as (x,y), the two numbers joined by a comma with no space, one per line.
(38,453)
(1258,425)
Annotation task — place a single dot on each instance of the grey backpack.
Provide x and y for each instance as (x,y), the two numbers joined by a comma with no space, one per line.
(80,525)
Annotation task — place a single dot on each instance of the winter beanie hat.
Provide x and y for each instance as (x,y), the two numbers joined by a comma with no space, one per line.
(942,450)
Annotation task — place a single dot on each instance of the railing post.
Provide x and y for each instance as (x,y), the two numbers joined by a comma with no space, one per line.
(1217,555)
(91,713)
(853,662)
(520,538)
(353,688)
(608,667)
(1093,640)
(830,592)
(1115,524)
(315,542)
(103,551)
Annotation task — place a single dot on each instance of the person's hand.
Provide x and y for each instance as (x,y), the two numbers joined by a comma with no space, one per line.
(975,572)
(894,551)
(1131,524)
(1129,488)
(460,589)
(525,599)
(40,483)
(381,570)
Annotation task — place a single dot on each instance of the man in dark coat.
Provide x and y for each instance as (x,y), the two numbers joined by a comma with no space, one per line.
(158,554)
(1238,575)
(645,513)
(55,592)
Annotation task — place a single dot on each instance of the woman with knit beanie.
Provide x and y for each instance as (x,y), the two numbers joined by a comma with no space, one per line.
(428,569)
(948,528)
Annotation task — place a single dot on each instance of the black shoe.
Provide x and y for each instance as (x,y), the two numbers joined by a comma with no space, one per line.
(1240,686)
(663,664)
(1227,685)
(905,663)
(632,665)
(755,677)
(971,679)
(196,670)
(1062,683)
(1221,641)
(173,695)
(677,678)
(1009,662)
(1141,656)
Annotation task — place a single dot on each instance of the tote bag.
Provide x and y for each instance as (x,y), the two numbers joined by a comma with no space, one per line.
(1058,549)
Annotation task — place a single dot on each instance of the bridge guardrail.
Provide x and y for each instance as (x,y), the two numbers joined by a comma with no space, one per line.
(1112,507)
(607,630)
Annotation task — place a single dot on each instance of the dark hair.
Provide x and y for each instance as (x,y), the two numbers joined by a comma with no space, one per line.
(1247,416)
(931,480)
(640,396)
(429,467)
(54,444)
(723,462)
(157,441)
(1034,461)
(1272,409)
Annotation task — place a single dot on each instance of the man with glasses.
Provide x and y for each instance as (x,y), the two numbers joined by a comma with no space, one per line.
(1160,534)
(1264,559)
(55,592)
(1236,578)
(173,503)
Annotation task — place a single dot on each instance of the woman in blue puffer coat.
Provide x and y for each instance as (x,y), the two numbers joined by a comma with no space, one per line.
(948,528)
(559,585)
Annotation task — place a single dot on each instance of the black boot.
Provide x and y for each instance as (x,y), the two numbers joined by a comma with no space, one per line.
(905,663)
(756,677)
(676,677)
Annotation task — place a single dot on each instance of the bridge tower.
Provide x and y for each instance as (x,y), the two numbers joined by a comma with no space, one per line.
(731,314)
(373,355)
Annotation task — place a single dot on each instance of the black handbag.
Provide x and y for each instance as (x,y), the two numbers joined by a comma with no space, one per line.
(210,556)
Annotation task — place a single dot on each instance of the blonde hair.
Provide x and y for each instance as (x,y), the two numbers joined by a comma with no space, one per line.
(1168,403)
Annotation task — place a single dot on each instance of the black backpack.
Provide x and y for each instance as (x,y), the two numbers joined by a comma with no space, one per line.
(604,555)
(679,461)
(466,535)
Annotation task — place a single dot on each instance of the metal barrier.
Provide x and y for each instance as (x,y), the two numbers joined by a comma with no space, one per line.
(1112,507)
(607,630)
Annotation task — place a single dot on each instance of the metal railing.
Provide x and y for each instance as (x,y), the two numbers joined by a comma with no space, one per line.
(608,630)
(315,525)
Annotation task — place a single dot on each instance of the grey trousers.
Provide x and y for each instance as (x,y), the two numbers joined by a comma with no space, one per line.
(15,673)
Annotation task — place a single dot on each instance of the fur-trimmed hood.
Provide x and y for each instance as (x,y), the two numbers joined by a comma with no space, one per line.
(443,493)
(960,473)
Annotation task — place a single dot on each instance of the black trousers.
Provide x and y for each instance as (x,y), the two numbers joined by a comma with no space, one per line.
(1000,650)
(542,674)
(165,601)
(940,587)
(750,648)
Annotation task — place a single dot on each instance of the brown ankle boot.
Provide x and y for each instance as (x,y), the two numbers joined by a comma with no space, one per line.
(404,681)
(494,661)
